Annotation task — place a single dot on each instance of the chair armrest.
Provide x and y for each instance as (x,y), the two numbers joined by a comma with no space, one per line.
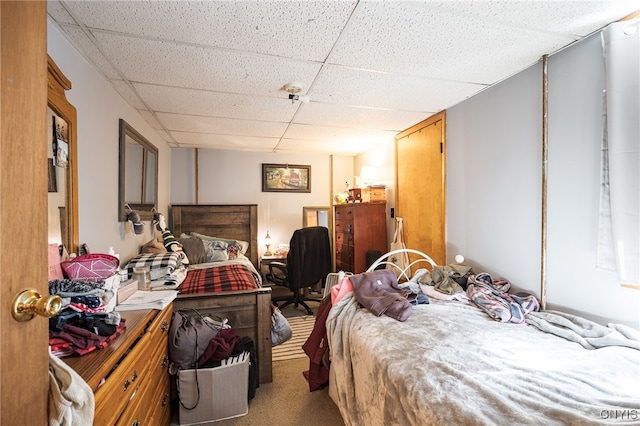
(278,273)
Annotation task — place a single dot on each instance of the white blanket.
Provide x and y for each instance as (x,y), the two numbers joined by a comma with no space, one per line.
(449,363)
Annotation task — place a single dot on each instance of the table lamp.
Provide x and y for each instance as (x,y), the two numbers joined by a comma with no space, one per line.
(267,242)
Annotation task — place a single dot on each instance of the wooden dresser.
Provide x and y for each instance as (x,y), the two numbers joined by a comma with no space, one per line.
(135,390)
(359,227)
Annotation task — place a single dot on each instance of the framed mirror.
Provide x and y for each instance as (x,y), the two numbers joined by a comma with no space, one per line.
(316,216)
(138,174)
(62,162)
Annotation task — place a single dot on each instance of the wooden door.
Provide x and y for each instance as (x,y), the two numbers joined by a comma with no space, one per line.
(24,361)
(420,186)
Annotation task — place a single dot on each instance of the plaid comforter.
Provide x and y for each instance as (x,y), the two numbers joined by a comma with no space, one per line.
(227,277)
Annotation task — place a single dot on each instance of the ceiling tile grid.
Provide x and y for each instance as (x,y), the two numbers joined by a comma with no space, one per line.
(357,87)
(211,74)
(216,125)
(164,63)
(358,117)
(215,104)
(297,29)
(405,38)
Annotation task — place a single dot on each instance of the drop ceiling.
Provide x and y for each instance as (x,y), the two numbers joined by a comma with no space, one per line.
(211,74)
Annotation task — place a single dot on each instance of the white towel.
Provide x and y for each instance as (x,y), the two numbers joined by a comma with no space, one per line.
(71,400)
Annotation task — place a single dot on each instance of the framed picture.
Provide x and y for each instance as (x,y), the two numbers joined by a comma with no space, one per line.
(53,181)
(286,178)
(60,142)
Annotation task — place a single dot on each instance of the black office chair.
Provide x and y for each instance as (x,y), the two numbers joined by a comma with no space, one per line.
(308,263)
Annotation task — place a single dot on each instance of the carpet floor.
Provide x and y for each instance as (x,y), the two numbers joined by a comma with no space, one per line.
(286,401)
(292,349)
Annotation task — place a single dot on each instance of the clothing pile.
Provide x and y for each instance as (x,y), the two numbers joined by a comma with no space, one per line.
(86,321)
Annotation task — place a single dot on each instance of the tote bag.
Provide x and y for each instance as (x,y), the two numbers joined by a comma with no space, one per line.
(399,261)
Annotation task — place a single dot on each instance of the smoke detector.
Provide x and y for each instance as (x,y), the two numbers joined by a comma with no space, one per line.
(294,89)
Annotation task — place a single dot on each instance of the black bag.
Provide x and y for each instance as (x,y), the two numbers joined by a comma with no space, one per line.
(189,336)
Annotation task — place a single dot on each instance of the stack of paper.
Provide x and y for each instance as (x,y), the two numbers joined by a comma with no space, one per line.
(147,300)
(235,359)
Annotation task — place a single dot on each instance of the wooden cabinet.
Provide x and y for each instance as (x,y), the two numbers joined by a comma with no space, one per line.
(129,377)
(359,227)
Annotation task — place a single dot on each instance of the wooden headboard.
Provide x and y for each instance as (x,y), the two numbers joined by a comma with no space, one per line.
(239,222)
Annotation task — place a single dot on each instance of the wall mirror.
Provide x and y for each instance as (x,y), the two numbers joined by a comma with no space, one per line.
(138,174)
(316,216)
(61,162)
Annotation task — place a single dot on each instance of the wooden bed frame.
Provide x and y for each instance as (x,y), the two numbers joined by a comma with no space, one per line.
(248,312)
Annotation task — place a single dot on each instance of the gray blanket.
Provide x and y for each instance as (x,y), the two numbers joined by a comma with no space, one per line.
(449,363)
(589,334)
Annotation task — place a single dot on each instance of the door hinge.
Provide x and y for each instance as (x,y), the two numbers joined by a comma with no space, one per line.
(441,147)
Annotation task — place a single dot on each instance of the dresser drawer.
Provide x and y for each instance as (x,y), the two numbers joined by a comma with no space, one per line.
(344,239)
(120,387)
(151,399)
(344,212)
(160,325)
(343,227)
(344,256)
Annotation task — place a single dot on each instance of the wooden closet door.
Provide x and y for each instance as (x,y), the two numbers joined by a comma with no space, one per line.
(420,186)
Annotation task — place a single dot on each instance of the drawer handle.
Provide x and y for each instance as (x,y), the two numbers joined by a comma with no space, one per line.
(127,383)
(134,376)
(135,423)
(165,399)
(165,361)
(165,326)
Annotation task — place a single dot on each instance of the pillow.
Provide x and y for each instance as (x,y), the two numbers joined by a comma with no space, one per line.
(216,250)
(193,247)
(243,245)
(154,246)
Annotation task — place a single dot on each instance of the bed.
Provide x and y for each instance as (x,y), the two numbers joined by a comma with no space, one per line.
(451,363)
(248,310)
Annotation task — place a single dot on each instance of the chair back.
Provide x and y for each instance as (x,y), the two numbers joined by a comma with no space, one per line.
(309,258)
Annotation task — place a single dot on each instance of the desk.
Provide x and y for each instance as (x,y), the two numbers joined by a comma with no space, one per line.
(266,260)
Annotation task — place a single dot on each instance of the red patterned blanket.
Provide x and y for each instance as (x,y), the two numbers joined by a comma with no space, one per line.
(219,278)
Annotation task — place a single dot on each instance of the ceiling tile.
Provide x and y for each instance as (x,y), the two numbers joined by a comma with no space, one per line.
(150,118)
(348,86)
(215,104)
(180,65)
(58,13)
(240,143)
(403,37)
(574,17)
(89,50)
(221,126)
(324,147)
(298,29)
(359,117)
(129,94)
(345,136)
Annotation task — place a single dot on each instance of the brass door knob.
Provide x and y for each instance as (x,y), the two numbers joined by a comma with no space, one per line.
(30,303)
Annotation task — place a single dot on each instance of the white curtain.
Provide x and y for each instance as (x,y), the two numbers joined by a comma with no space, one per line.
(620,196)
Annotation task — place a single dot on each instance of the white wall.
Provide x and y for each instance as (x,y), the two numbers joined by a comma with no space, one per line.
(234,177)
(576,81)
(382,158)
(494,180)
(494,195)
(99,108)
